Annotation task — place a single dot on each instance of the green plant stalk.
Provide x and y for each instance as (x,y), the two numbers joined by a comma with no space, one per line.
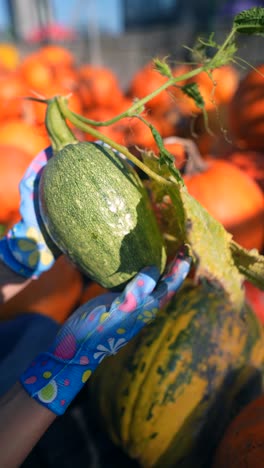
(85,124)
(170,82)
(59,132)
(67,114)
(141,102)
(221,49)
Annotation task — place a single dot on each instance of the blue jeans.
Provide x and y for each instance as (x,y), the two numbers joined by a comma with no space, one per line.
(21,339)
(72,439)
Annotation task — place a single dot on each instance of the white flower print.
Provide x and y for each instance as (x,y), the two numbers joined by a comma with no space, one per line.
(113,347)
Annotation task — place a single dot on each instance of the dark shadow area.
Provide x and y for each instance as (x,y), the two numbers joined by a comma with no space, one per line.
(76,441)
(210,425)
(143,245)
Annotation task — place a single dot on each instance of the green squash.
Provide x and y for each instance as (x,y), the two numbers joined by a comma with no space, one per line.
(166,397)
(96,210)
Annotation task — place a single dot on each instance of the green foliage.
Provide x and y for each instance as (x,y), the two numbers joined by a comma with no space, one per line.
(2,230)
(250,21)
(250,263)
(217,258)
(173,221)
(162,67)
(165,157)
(210,245)
(192,90)
(189,223)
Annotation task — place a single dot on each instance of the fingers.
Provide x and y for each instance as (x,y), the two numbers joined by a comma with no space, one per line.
(104,300)
(145,296)
(167,286)
(84,322)
(137,290)
(173,278)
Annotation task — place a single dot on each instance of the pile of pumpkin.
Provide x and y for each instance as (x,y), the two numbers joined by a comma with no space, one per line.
(167,397)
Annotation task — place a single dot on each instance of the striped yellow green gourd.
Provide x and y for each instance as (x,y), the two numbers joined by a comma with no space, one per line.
(166,397)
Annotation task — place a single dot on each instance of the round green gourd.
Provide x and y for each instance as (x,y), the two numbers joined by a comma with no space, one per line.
(166,397)
(96,209)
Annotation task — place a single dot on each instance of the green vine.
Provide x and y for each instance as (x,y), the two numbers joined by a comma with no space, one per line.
(246,22)
(217,258)
(65,111)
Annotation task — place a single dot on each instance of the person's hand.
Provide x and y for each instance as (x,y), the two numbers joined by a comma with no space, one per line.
(26,249)
(97,329)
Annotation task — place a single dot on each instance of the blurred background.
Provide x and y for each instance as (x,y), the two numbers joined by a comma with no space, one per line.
(99,53)
(122,34)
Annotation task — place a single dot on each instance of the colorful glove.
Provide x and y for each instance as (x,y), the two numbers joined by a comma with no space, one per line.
(25,249)
(97,329)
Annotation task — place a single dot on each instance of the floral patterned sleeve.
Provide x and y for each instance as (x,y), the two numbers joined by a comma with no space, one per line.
(24,249)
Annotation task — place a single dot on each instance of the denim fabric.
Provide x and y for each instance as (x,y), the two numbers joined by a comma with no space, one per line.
(21,339)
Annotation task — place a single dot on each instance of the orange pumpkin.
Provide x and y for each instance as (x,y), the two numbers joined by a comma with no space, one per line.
(233,198)
(13,164)
(139,134)
(243,442)
(12,93)
(217,89)
(56,56)
(56,293)
(48,65)
(24,136)
(246,111)
(98,86)
(146,80)
(223,83)
(36,75)
(251,162)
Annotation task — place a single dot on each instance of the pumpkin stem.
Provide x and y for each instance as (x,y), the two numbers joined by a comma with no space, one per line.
(59,132)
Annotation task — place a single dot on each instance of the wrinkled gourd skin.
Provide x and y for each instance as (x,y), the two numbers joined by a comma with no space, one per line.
(167,396)
(96,210)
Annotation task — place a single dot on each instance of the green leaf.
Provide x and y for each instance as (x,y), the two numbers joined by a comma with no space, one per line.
(169,206)
(250,21)
(210,245)
(225,56)
(192,90)
(165,157)
(162,67)
(183,220)
(250,263)
(2,230)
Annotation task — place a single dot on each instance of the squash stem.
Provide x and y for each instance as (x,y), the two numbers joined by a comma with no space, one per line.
(59,132)
(65,111)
